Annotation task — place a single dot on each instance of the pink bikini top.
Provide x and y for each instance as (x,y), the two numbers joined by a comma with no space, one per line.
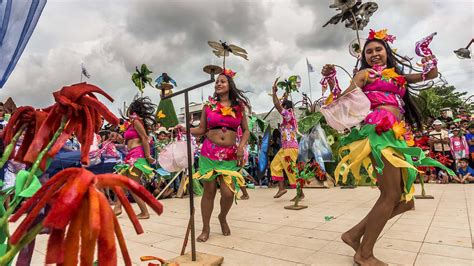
(219,117)
(381,92)
(131,132)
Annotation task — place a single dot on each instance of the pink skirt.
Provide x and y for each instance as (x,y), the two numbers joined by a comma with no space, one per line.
(134,154)
(377,114)
(218,153)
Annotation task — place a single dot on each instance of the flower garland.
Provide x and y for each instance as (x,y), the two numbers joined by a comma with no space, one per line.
(215,106)
(388,75)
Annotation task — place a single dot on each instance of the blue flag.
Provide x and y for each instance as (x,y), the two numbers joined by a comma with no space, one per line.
(18,19)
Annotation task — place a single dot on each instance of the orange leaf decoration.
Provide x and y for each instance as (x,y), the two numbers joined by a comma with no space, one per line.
(227,111)
(81,216)
(399,130)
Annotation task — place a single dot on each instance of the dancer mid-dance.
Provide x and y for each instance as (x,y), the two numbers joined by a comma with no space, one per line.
(289,145)
(379,145)
(221,158)
(142,116)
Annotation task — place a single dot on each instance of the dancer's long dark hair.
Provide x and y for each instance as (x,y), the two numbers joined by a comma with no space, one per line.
(145,109)
(412,112)
(235,95)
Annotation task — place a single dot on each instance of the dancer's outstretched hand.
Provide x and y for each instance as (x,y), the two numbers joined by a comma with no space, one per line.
(275,87)
(327,69)
(428,58)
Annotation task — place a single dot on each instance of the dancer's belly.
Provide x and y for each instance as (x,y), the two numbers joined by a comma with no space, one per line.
(221,137)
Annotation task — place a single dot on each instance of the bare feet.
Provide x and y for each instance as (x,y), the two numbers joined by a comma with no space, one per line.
(370,261)
(143,216)
(224,226)
(204,236)
(280,193)
(245,197)
(351,241)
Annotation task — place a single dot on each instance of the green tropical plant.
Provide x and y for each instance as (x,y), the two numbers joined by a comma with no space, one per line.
(141,77)
(291,84)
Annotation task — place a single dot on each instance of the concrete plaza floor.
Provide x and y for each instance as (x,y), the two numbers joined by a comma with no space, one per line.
(438,232)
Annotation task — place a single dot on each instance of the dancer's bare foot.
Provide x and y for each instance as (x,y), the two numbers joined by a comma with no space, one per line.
(350,241)
(280,193)
(224,226)
(370,261)
(245,197)
(117,210)
(143,216)
(204,236)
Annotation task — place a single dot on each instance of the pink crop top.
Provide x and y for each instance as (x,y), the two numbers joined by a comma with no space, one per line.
(381,92)
(217,120)
(131,132)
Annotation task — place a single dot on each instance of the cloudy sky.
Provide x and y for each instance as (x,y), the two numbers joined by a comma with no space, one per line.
(112,37)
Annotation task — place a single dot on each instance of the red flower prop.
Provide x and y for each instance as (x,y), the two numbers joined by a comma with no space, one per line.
(288,159)
(82,109)
(24,117)
(401,81)
(229,73)
(81,216)
(383,126)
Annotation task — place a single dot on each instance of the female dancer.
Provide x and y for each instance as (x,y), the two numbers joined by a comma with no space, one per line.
(142,116)
(221,158)
(379,144)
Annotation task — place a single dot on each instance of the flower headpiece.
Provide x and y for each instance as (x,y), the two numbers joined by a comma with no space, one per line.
(381,35)
(229,73)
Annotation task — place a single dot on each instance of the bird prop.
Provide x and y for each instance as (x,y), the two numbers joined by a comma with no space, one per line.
(141,77)
(355,14)
(165,83)
(222,49)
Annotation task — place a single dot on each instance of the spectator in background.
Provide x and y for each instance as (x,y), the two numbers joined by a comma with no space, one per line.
(459,146)
(465,174)
(463,115)
(439,143)
(444,117)
(470,142)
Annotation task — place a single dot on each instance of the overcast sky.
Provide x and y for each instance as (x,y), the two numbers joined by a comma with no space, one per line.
(112,37)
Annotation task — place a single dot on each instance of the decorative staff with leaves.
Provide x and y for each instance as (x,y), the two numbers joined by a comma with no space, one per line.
(141,78)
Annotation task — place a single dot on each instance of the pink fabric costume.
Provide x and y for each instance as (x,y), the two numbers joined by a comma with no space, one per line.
(381,92)
(135,153)
(216,120)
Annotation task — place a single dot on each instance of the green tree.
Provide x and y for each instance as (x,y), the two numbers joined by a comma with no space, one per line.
(438,97)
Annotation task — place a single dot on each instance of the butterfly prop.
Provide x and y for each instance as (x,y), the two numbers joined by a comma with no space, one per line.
(422,49)
(336,91)
(222,49)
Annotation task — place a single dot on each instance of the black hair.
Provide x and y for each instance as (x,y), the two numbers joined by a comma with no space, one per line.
(236,95)
(145,109)
(287,104)
(412,112)
(464,160)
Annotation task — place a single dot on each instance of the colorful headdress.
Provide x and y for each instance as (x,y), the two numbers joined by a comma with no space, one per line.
(381,35)
(229,73)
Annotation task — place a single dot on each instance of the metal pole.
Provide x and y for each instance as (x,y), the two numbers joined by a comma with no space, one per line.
(309,79)
(190,175)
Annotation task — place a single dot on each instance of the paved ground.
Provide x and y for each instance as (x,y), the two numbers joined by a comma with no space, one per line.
(438,232)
